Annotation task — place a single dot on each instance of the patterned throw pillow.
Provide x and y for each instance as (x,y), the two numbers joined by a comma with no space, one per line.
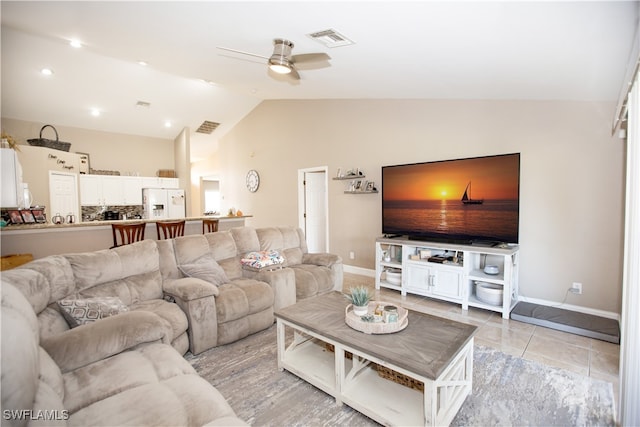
(262,260)
(87,310)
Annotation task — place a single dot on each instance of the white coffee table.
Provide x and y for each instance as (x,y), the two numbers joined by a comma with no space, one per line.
(435,351)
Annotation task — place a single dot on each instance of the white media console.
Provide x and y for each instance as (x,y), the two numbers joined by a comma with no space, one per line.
(449,272)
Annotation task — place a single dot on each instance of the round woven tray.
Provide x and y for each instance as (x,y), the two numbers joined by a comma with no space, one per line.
(376,327)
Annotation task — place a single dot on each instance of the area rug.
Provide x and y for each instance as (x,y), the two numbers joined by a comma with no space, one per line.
(507,391)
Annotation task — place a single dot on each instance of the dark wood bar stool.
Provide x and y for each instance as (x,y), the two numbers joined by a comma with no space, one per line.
(170,229)
(209,225)
(129,233)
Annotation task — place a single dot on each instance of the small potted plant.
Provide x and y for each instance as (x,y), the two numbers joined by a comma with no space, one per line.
(359,296)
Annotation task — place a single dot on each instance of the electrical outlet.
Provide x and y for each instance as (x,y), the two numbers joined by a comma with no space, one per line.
(576,288)
(352,255)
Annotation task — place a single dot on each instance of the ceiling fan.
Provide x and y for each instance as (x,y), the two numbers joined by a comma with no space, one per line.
(282,62)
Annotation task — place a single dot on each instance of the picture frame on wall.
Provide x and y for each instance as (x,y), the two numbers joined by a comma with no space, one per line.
(15,217)
(27,216)
(85,163)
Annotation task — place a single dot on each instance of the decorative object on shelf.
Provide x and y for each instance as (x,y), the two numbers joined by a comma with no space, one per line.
(49,143)
(489,293)
(15,217)
(253,180)
(359,297)
(85,163)
(400,319)
(491,269)
(8,141)
(394,276)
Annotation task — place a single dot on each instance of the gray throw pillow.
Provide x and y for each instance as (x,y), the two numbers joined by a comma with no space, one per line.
(87,310)
(205,268)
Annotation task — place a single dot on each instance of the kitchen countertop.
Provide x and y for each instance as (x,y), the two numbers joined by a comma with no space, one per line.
(50,226)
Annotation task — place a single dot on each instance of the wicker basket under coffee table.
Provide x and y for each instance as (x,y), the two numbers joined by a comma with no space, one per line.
(432,351)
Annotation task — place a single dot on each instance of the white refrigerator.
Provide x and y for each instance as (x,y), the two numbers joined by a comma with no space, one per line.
(162,203)
(11,194)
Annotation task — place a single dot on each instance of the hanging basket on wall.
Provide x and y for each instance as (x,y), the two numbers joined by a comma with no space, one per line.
(50,143)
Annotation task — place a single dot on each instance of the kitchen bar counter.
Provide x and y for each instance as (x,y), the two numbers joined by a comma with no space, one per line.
(51,239)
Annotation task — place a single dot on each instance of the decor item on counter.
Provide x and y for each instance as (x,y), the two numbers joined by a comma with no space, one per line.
(71,218)
(57,219)
(49,143)
(238,212)
(359,297)
(27,216)
(15,216)
(253,180)
(39,215)
(85,163)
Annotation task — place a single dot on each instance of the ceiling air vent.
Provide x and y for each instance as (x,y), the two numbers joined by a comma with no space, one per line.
(207,127)
(330,38)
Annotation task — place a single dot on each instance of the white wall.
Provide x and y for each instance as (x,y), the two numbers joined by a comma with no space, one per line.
(571,214)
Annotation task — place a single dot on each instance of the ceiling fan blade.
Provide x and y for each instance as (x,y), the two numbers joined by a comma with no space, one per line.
(310,57)
(294,74)
(242,52)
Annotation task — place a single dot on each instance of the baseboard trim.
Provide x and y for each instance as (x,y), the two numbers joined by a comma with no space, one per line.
(608,314)
(571,307)
(359,270)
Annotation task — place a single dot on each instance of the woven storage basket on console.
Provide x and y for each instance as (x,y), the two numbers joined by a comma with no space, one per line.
(49,143)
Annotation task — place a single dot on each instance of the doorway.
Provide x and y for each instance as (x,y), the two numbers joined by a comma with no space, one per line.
(63,194)
(313,207)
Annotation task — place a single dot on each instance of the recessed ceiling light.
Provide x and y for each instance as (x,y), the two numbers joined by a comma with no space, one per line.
(75,43)
(167,124)
(143,63)
(95,112)
(47,71)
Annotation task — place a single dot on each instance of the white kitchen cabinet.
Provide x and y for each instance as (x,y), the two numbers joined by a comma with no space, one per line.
(90,190)
(110,190)
(132,190)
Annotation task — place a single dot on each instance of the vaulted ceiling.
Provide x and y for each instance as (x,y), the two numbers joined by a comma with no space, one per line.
(537,50)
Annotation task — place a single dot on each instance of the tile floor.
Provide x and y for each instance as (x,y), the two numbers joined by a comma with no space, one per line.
(586,356)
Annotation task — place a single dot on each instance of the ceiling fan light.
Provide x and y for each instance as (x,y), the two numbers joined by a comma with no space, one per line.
(279,65)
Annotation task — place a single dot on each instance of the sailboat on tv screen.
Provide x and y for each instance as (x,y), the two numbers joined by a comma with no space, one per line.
(466,197)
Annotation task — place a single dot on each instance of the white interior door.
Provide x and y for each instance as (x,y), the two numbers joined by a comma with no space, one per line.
(314,208)
(63,194)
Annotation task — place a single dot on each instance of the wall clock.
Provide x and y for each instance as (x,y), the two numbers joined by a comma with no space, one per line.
(253,181)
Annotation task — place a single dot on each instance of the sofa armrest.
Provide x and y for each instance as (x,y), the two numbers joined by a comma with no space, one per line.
(189,288)
(197,299)
(323,259)
(106,337)
(282,281)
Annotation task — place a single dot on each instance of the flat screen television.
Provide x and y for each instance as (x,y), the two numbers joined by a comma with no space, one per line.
(468,201)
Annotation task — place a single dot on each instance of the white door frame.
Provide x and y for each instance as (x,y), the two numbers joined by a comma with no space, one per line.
(301,198)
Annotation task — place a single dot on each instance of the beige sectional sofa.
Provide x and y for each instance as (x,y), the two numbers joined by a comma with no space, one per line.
(114,372)
(189,293)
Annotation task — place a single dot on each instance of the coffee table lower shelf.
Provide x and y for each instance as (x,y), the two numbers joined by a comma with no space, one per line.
(355,381)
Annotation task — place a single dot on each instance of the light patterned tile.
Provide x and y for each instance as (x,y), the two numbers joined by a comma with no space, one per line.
(565,337)
(497,321)
(504,338)
(562,352)
(605,347)
(605,363)
(582,370)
